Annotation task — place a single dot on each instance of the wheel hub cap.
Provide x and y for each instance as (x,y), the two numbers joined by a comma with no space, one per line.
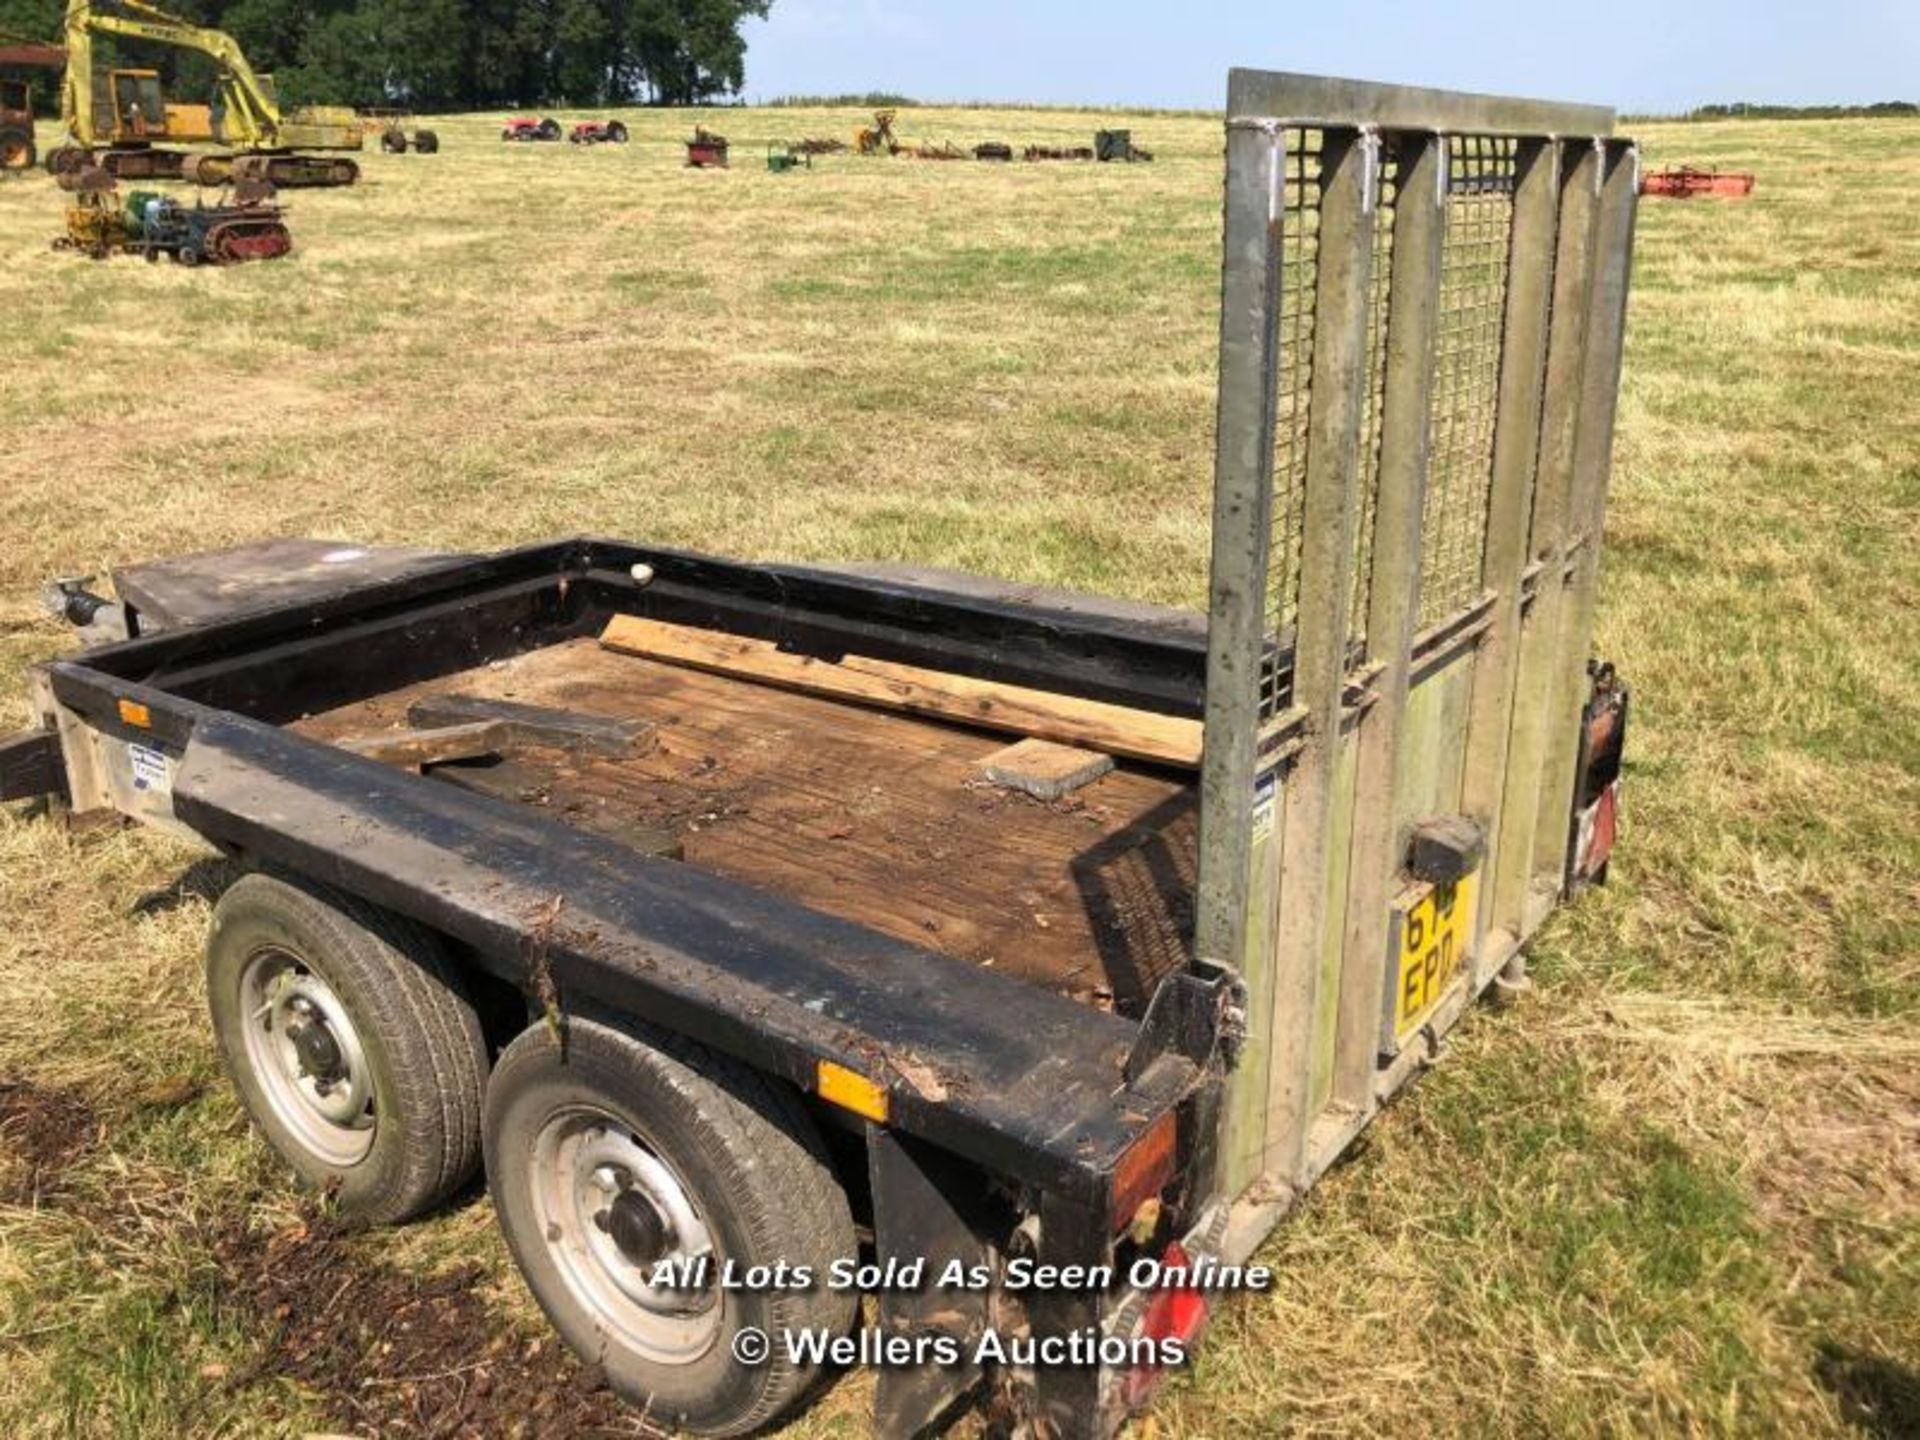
(318,1052)
(635,1228)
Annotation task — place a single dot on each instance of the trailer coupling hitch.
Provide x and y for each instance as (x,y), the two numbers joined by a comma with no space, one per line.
(1199,1013)
(99,619)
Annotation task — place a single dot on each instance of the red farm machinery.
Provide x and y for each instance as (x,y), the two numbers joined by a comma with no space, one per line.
(598,132)
(529,128)
(1685,182)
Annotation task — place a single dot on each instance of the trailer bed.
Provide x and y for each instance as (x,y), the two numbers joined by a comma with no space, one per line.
(874,817)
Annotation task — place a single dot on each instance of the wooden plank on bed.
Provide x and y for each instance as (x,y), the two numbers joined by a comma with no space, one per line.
(415,748)
(988,704)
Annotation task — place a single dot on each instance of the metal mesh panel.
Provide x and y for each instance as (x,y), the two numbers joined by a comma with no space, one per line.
(1298,283)
(1379,290)
(1466,382)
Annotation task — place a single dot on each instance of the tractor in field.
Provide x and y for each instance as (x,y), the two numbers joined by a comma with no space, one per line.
(598,132)
(17,148)
(529,128)
(1687,182)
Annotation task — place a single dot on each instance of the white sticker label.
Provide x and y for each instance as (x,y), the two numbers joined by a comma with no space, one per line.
(1264,791)
(151,769)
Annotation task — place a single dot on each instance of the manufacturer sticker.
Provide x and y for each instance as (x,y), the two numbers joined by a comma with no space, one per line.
(152,771)
(1264,791)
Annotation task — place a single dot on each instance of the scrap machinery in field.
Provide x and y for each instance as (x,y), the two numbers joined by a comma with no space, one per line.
(388,124)
(120,120)
(17,147)
(1687,182)
(598,132)
(528,128)
(246,226)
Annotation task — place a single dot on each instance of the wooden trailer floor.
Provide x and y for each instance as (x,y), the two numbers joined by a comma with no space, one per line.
(877,817)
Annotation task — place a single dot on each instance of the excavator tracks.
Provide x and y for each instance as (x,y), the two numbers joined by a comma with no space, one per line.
(291,171)
(283,170)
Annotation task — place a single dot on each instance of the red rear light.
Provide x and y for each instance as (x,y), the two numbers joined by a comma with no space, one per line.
(1593,834)
(1177,1313)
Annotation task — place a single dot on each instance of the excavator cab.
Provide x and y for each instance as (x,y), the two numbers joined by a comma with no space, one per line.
(142,113)
(139,110)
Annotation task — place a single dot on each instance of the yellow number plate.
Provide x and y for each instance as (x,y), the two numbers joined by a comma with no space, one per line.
(1435,935)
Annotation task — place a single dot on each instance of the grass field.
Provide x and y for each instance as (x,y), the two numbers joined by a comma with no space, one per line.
(1677,1190)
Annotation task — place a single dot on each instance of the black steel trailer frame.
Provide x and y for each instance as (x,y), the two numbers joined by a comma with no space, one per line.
(1039,1093)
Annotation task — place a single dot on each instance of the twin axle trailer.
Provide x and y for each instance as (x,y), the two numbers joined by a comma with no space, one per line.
(711,905)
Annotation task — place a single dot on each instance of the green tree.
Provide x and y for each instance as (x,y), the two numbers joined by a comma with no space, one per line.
(451,54)
(689,51)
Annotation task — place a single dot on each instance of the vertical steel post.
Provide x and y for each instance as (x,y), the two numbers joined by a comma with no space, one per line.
(1516,449)
(1232,865)
(1393,602)
(1587,500)
(1514,907)
(1068,1396)
(1349,186)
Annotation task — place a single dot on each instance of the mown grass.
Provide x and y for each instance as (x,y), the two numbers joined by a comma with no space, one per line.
(1673,1191)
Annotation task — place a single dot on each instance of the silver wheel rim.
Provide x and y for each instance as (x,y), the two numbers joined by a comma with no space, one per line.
(303,1048)
(585,1165)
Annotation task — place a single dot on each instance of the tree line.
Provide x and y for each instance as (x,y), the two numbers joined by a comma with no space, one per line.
(455,54)
(1756,110)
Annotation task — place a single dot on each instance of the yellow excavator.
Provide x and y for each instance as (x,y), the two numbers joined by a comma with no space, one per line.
(119,120)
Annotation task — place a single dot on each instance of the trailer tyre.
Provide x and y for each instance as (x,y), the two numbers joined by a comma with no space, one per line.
(351,1042)
(616,1149)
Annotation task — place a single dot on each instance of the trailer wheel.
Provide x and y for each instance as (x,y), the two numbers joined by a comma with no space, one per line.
(351,1043)
(616,1150)
(426,142)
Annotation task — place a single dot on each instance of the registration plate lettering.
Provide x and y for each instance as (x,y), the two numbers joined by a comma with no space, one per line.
(1433,935)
